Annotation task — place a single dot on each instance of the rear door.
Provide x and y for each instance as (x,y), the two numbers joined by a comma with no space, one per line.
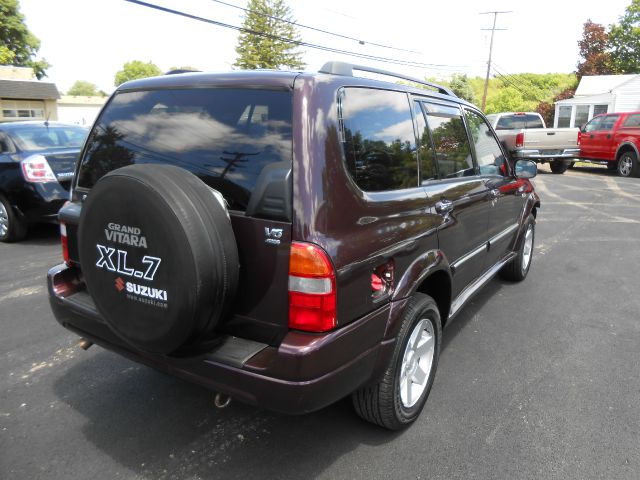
(461,195)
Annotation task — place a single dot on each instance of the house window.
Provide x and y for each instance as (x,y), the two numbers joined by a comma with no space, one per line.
(582,115)
(22,109)
(600,109)
(564,116)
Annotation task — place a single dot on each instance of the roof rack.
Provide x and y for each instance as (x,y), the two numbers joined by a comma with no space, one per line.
(346,69)
(178,71)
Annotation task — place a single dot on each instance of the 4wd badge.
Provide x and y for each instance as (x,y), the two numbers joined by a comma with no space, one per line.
(274,235)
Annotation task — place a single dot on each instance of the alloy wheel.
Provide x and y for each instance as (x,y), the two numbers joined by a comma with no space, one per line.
(417,363)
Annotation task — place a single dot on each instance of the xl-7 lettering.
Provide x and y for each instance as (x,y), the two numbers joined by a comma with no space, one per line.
(106,261)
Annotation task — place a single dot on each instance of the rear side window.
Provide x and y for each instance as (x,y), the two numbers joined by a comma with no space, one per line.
(450,141)
(608,122)
(378,139)
(224,136)
(632,121)
(511,122)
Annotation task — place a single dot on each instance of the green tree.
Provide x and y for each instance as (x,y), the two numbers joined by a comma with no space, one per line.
(595,60)
(624,40)
(136,69)
(461,86)
(269,37)
(18,46)
(84,88)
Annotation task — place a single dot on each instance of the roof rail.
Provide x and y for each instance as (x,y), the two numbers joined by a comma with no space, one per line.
(346,69)
(178,71)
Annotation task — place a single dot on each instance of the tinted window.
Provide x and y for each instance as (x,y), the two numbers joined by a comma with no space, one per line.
(632,121)
(40,137)
(453,154)
(488,153)
(224,136)
(425,147)
(379,140)
(608,122)
(519,121)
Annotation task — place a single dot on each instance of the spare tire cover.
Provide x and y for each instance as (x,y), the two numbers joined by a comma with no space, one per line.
(158,255)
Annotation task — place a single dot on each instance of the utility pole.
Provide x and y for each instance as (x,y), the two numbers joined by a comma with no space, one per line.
(493,29)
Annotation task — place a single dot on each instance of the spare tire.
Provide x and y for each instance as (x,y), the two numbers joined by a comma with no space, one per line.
(159,256)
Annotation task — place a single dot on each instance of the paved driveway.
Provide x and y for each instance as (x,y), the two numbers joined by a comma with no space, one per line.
(536,380)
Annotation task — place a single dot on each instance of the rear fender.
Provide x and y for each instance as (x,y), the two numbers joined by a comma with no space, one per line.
(625,146)
(420,269)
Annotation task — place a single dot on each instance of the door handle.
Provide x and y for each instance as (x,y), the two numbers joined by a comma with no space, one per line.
(591,136)
(444,206)
(609,135)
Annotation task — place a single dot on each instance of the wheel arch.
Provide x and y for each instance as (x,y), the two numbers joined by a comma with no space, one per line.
(429,274)
(627,147)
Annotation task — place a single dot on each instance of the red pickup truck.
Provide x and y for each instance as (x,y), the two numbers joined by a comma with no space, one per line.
(613,139)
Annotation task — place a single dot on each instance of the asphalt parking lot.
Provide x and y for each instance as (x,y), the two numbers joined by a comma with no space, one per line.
(536,380)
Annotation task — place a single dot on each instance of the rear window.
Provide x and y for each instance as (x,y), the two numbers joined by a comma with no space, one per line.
(42,137)
(224,136)
(512,122)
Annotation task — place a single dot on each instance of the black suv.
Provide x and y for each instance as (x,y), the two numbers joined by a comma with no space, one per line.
(289,238)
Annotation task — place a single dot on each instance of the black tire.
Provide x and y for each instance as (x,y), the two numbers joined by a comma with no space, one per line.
(382,403)
(628,165)
(188,262)
(558,166)
(12,227)
(571,165)
(518,268)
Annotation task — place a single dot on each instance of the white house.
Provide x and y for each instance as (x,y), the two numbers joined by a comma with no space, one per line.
(598,94)
(80,110)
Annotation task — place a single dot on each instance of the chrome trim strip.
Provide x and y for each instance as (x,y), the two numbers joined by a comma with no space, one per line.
(473,287)
(501,235)
(468,256)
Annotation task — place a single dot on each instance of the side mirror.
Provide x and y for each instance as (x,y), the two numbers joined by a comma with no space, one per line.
(526,169)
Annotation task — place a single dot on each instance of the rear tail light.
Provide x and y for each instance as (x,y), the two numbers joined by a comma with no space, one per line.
(312,289)
(520,139)
(65,243)
(579,137)
(36,169)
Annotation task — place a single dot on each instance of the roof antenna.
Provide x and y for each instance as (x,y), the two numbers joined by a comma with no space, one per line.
(46,122)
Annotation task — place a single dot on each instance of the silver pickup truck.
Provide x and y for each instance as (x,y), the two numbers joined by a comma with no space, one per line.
(525,136)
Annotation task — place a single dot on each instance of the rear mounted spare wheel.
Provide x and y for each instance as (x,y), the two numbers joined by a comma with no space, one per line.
(159,256)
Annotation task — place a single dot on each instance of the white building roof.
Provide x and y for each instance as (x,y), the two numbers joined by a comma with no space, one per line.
(604,98)
(597,84)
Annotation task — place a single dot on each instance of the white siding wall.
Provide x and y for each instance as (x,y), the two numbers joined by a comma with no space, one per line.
(78,114)
(627,96)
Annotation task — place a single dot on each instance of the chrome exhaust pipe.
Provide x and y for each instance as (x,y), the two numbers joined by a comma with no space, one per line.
(221,400)
(85,344)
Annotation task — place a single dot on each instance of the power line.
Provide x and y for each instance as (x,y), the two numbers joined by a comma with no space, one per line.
(524,83)
(407,63)
(493,30)
(360,41)
(511,81)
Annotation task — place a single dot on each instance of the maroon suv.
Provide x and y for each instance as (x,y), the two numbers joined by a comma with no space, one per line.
(289,238)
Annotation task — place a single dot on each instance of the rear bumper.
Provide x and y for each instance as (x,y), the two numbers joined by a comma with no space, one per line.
(40,202)
(304,373)
(533,154)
